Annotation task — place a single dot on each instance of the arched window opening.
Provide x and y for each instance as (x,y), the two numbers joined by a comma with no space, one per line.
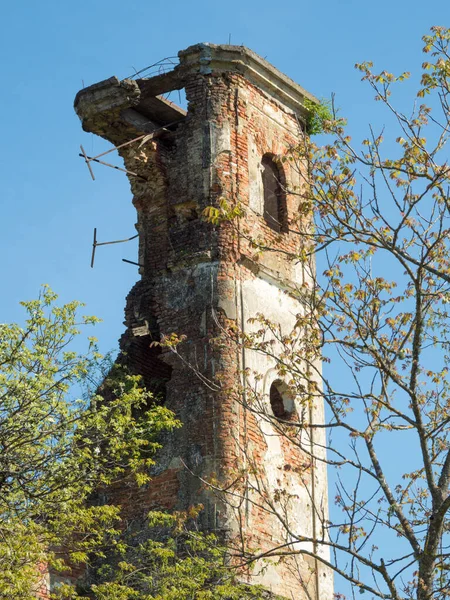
(275,213)
(281,401)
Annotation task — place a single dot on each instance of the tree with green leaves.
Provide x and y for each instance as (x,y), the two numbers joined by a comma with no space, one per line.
(62,442)
(374,225)
(167,559)
(59,443)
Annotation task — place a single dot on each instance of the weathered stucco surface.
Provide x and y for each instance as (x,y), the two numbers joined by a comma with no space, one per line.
(202,281)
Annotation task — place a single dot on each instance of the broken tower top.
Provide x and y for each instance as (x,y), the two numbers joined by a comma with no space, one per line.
(144,94)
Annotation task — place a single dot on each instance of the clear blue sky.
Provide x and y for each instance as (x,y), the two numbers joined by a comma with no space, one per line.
(50,49)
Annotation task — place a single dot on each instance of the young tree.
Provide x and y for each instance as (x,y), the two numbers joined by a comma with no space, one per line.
(376,312)
(168,559)
(57,447)
(62,443)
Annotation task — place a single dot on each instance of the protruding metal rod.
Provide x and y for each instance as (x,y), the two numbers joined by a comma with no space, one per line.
(87,162)
(95,244)
(102,162)
(122,145)
(131,262)
(118,241)
(146,137)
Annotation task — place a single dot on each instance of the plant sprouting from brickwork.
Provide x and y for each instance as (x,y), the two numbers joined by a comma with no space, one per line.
(318,116)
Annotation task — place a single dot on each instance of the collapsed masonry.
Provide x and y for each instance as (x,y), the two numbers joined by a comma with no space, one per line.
(200,281)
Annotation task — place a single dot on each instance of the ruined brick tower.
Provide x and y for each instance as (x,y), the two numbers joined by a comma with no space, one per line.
(203,281)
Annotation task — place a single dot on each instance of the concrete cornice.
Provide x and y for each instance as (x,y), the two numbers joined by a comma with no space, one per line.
(224,58)
(113,96)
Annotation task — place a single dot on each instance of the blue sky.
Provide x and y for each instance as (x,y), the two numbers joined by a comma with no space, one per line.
(49,204)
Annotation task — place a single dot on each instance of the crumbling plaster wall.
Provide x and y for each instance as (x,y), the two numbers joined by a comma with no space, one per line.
(202,281)
(268,284)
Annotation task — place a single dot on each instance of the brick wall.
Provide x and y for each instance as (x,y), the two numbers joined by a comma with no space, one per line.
(202,282)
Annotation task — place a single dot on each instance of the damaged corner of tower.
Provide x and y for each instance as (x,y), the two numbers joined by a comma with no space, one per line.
(114,108)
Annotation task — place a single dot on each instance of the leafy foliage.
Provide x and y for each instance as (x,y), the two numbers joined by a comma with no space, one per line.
(57,449)
(318,115)
(223,212)
(168,558)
